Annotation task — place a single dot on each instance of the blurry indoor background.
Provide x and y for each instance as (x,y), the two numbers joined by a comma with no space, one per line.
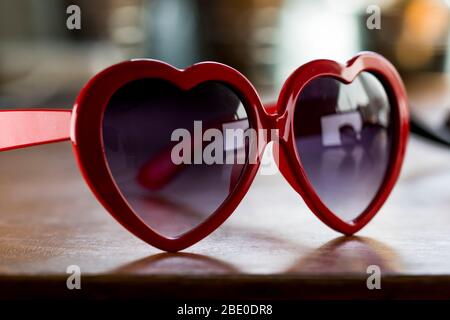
(43,64)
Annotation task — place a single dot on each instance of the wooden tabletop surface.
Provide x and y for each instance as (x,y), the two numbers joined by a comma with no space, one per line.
(271,247)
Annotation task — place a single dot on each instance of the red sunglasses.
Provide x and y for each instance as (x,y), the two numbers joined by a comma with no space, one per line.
(341,134)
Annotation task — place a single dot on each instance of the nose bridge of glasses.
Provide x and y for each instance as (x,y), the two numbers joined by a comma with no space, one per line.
(275,123)
(270,121)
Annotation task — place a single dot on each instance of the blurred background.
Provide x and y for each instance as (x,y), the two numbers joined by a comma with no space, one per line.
(43,64)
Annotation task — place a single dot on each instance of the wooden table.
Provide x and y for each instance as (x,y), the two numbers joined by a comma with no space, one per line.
(271,247)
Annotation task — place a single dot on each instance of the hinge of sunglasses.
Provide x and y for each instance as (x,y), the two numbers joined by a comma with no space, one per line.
(23,128)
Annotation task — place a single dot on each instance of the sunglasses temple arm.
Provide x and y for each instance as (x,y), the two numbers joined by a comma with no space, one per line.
(23,128)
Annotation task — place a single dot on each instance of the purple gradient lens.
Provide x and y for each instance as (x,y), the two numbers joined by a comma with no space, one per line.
(343,136)
(137,135)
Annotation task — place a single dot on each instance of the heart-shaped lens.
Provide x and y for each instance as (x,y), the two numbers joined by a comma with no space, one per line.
(166,149)
(343,136)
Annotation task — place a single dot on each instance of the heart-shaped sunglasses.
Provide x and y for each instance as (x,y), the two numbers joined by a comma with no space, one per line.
(168,152)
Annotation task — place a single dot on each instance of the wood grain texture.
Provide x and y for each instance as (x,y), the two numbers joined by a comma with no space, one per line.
(271,247)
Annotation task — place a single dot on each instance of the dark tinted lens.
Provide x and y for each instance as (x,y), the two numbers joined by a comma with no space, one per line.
(151,128)
(344,139)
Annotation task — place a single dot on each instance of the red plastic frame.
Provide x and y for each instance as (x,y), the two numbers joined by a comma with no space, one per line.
(83,126)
